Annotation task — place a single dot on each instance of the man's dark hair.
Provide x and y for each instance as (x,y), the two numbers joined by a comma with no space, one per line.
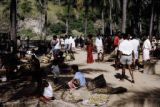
(75,68)
(124,35)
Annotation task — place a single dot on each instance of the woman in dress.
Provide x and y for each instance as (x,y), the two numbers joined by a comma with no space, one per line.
(89,44)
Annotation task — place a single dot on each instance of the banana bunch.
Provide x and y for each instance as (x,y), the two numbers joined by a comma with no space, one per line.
(97,99)
(45,59)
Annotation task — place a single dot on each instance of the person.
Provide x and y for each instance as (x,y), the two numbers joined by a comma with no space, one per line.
(78,80)
(146,49)
(116,42)
(55,70)
(36,73)
(99,46)
(126,52)
(136,44)
(71,47)
(47,91)
(66,43)
(89,49)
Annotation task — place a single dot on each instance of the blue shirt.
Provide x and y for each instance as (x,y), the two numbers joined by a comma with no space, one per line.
(79,76)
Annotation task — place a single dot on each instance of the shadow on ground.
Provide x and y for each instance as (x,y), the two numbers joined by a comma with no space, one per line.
(141,99)
(90,70)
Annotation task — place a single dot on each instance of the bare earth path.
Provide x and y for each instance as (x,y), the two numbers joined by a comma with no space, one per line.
(145,92)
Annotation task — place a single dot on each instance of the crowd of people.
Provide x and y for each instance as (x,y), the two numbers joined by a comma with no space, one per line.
(126,49)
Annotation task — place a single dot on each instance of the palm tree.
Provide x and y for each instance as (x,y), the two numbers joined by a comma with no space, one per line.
(68,15)
(86,5)
(124,14)
(13,19)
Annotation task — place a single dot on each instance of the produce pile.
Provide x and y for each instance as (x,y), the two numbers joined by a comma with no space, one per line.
(45,58)
(96,99)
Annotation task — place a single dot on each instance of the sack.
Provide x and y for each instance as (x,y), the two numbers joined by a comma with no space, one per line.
(97,82)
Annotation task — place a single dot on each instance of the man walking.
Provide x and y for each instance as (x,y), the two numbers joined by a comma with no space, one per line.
(126,56)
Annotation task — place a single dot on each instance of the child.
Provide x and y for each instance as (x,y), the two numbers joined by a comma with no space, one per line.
(78,80)
(47,91)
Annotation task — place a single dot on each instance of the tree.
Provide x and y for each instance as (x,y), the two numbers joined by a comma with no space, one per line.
(13,19)
(124,14)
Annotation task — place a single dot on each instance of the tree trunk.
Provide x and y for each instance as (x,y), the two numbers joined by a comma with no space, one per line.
(124,14)
(13,30)
(46,17)
(85,26)
(68,17)
(110,16)
(151,20)
(103,24)
(67,27)
(59,2)
(86,16)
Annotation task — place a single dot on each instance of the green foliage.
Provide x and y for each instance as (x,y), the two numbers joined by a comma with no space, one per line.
(26,33)
(26,6)
(57,28)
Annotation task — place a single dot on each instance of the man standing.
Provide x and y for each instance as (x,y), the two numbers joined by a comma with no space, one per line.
(126,55)
(99,45)
(135,42)
(56,46)
(146,49)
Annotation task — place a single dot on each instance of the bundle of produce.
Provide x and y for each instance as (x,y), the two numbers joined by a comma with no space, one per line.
(96,99)
(45,59)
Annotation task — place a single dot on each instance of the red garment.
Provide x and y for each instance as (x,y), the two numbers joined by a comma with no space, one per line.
(89,54)
(116,41)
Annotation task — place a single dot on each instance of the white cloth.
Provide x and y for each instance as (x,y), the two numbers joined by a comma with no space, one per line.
(71,42)
(99,44)
(146,49)
(48,91)
(62,41)
(126,47)
(58,45)
(135,43)
(66,41)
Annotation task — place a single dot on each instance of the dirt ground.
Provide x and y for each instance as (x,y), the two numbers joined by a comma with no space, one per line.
(145,92)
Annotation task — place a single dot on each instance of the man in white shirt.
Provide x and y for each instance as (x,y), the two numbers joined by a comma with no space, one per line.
(136,43)
(66,43)
(126,55)
(56,46)
(146,49)
(99,46)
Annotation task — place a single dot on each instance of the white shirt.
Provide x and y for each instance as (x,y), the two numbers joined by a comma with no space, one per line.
(58,45)
(62,41)
(126,47)
(48,91)
(66,41)
(135,43)
(99,42)
(147,45)
(71,42)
